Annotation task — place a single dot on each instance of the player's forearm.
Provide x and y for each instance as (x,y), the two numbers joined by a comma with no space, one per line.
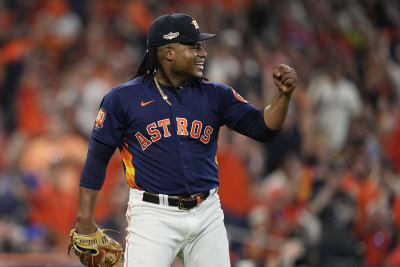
(275,114)
(92,179)
(85,216)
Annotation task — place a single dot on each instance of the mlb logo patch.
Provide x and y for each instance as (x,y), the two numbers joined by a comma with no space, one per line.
(101,116)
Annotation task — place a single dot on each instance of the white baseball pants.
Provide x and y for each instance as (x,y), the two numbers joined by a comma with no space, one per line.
(157,233)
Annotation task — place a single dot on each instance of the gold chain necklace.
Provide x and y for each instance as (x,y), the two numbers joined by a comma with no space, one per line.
(164,96)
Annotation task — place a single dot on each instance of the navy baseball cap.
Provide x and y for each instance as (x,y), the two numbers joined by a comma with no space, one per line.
(175,28)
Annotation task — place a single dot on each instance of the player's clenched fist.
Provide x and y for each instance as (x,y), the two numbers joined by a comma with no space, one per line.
(285,79)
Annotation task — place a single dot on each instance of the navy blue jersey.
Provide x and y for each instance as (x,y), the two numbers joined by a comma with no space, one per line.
(171,149)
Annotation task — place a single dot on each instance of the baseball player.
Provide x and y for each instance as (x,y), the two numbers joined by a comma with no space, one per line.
(165,122)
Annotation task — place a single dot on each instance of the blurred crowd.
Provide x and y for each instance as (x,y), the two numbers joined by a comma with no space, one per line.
(325,192)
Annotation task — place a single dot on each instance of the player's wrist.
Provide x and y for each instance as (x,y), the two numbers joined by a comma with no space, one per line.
(86,229)
(287,95)
(85,226)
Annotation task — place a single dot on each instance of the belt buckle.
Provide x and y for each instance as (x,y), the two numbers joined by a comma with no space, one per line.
(180,205)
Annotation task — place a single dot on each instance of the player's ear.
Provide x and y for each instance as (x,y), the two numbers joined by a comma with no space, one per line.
(166,52)
(169,52)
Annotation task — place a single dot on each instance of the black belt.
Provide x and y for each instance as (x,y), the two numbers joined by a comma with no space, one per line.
(182,202)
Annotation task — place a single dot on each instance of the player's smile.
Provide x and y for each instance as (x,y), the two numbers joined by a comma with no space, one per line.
(199,52)
(200,65)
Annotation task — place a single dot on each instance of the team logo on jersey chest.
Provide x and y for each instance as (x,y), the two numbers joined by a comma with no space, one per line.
(101,116)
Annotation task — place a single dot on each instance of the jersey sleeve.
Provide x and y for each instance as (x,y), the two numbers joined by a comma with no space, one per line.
(110,125)
(239,115)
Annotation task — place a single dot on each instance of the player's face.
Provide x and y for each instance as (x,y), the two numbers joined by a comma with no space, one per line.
(189,60)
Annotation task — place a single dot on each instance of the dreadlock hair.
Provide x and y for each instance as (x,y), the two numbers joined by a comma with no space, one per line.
(149,64)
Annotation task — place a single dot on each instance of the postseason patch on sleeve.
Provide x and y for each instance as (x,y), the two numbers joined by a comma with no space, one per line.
(101,116)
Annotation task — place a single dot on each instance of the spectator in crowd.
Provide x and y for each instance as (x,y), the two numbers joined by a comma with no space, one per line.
(336,101)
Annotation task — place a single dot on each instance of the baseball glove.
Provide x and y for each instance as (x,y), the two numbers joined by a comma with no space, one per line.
(95,250)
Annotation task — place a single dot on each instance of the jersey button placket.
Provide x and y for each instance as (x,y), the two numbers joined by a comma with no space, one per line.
(183,153)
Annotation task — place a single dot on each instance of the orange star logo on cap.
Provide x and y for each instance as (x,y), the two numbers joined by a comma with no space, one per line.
(196,26)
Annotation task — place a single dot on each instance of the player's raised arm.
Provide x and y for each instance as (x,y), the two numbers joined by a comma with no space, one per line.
(285,79)
(260,125)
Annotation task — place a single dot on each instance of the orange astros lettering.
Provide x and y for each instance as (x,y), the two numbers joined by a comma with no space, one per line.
(154,131)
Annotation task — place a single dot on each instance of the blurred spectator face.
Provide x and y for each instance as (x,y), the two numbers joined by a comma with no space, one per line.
(276,199)
(361,166)
(291,163)
(291,166)
(333,69)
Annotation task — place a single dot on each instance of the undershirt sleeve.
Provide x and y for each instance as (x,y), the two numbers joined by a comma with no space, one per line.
(94,170)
